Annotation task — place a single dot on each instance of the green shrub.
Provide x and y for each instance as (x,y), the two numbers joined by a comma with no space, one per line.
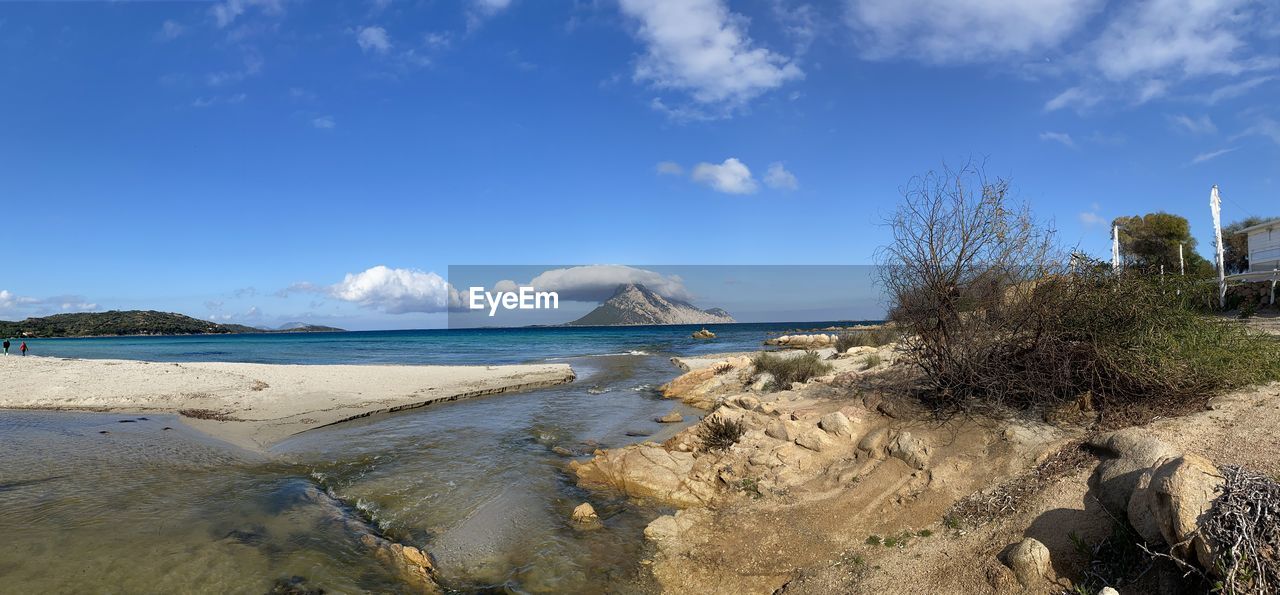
(871,361)
(874,337)
(718,433)
(788,369)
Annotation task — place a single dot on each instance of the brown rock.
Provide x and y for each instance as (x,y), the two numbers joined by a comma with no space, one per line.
(646,471)
(1029,561)
(671,418)
(1182,490)
(585,513)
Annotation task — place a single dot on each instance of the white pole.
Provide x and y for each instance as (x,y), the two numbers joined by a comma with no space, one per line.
(1182,266)
(1215,205)
(1115,248)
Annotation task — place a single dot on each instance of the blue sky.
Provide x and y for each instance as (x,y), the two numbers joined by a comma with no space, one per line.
(255,160)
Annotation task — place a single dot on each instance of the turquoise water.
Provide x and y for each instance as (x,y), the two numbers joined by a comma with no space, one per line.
(443,346)
(113,502)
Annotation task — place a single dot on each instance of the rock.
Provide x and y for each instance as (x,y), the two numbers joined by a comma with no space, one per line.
(836,423)
(803,341)
(748,402)
(780,430)
(1139,514)
(1108,591)
(875,440)
(858,350)
(671,418)
(703,334)
(585,513)
(700,387)
(762,381)
(562,451)
(1130,452)
(1029,561)
(1182,490)
(646,471)
(911,450)
(815,440)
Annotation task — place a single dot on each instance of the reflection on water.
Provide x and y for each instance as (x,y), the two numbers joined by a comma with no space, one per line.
(141,508)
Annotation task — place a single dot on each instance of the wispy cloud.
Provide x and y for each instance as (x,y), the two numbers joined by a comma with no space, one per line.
(1234,90)
(669,168)
(700,48)
(170,30)
(1201,125)
(963,31)
(373,39)
(1058,137)
(1077,98)
(324,122)
(1203,157)
(226,12)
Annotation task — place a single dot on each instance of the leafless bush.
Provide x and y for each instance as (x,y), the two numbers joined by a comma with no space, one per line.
(1244,526)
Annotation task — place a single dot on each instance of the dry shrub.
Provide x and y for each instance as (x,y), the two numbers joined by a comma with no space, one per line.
(718,433)
(994,314)
(1244,526)
(207,414)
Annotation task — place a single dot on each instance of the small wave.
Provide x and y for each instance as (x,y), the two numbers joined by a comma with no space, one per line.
(642,388)
(598,390)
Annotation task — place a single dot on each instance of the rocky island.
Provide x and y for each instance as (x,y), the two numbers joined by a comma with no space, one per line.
(634,304)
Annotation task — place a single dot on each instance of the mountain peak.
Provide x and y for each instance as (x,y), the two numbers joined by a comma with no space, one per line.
(635,304)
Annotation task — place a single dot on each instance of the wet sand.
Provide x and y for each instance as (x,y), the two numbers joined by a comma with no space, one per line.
(254,406)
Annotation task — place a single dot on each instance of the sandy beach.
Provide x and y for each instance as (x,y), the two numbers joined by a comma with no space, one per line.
(254,405)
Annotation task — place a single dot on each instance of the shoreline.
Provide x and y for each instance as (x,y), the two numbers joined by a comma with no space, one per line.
(255,406)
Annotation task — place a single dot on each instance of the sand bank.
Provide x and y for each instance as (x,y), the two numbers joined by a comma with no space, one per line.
(254,405)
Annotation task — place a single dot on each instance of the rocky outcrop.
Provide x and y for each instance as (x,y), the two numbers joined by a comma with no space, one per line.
(646,471)
(803,341)
(412,565)
(702,387)
(703,334)
(1127,454)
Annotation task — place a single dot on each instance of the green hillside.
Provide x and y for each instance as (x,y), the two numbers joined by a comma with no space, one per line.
(130,322)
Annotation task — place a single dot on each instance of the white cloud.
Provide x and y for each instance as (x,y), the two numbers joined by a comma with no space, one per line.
(778,178)
(1264,127)
(13,305)
(234,99)
(1078,98)
(701,48)
(170,30)
(484,9)
(396,291)
(1203,157)
(373,39)
(597,283)
(1201,125)
(324,122)
(959,31)
(1234,90)
(732,176)
(1182,38)
(1058,137)
(227,11)
(669,168)
(1092,217)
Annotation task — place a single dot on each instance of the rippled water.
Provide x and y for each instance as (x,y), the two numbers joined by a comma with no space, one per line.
(145,509)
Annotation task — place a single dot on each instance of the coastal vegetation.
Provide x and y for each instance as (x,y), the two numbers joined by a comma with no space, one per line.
(994,313)
(132,322)
(719,433)
(874,337)
(784,370)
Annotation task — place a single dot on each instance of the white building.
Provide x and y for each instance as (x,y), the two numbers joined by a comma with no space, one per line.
(1264,254)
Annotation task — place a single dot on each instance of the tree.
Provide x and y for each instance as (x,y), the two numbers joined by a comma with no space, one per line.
(1235,245)
(1150,241)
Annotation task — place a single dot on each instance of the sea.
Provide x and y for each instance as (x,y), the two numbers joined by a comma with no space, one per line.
(130,503)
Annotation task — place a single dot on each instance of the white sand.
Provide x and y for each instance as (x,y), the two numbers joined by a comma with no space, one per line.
(261,403)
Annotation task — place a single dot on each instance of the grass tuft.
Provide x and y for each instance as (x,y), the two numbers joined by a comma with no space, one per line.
(786,370)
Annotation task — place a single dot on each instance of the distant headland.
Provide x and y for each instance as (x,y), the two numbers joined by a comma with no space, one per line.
(136,322)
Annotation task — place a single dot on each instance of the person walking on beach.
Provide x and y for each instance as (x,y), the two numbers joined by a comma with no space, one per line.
(23,348)
(6,347)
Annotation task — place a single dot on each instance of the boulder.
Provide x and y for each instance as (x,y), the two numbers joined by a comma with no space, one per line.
(1127,453)
(1108,591)
(645,471)
(815,440)
(1139,514)
(1182,490)
(585,513)
(838,424)
(762,381)
(671,418)
(911,450)
(703,334)
(702,386)
(780,430)
(1029,561)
